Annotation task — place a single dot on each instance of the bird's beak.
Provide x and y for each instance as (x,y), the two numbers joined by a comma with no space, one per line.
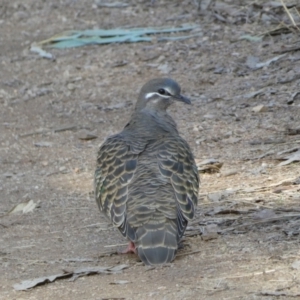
(183,99)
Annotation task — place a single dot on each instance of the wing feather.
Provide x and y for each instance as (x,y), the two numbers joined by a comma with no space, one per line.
(176,162)
(116,164)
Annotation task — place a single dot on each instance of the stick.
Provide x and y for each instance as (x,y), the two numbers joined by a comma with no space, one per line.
(261,222)
(117,245)
(289,14)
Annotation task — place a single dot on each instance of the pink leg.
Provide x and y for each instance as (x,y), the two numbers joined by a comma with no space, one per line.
(130,249)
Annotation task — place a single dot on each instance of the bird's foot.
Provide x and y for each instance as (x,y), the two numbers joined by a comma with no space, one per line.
(130,249)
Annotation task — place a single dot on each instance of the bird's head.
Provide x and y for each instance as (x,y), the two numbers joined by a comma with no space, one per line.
(157,94)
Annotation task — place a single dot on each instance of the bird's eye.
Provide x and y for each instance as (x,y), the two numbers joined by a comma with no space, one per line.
(162,92)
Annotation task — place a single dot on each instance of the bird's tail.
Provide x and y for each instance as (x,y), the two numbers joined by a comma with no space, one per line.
(157,244)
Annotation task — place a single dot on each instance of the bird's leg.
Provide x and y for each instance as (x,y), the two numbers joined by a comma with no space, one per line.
(130,248)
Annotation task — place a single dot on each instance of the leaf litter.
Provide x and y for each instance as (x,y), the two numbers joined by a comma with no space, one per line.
(248,206)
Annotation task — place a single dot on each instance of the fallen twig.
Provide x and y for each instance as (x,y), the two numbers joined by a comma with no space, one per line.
(188,253)
(289,14)
(252,274)
(273,219)
(39,131)
(278,294)
(65,128)
(117,245)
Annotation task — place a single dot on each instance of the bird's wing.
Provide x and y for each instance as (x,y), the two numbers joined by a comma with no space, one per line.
(177,163)
(116,164)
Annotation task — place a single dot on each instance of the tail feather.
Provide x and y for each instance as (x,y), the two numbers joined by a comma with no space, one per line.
(156,256)
(157,244)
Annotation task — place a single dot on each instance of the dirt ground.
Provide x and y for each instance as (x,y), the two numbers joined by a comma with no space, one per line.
(244,243)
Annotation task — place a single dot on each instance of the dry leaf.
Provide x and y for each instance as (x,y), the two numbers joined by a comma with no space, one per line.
(27,284)
(210,165)
(24,207)
(43,144)
(259,108)
(37,49)
(218,196)
(253,62)
(264,214)
(120,282)
(86,135)
(291,158)
(296,265)
(210,232)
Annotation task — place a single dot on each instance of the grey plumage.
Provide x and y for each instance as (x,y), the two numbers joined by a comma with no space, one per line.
(146,180)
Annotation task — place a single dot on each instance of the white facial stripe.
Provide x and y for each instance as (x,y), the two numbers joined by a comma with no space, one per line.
(149,95)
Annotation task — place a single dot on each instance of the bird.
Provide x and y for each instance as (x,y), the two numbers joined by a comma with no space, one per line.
(146,180)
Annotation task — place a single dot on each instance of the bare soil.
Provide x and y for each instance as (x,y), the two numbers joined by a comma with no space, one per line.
(244,243)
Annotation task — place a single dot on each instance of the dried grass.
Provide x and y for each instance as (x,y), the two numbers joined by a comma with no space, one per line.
(290,15)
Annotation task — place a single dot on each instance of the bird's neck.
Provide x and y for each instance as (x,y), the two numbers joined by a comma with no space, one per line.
(152,122)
